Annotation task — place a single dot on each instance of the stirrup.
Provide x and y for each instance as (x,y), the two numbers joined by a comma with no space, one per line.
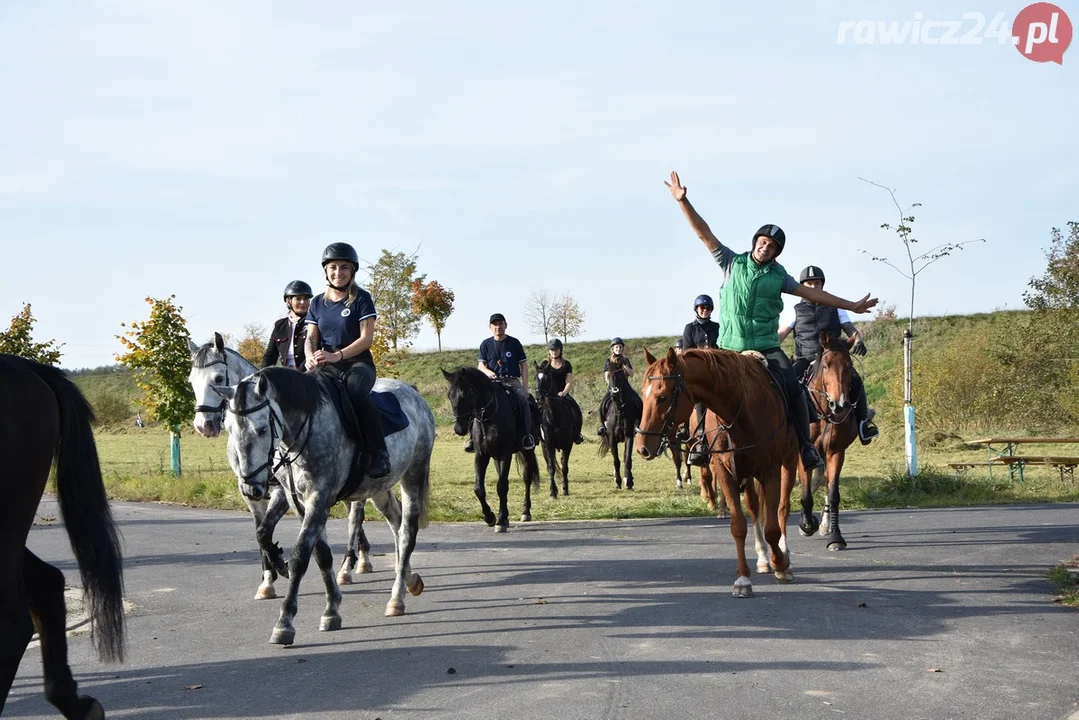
(470,447)
(697,459)
(867,431)
(528,443)
(380,465)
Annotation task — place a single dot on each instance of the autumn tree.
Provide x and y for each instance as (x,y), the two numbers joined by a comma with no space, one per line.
(19,340)
(253,344)
(568,317)
(157,350)
(434,302)
(390,284)
(539,313)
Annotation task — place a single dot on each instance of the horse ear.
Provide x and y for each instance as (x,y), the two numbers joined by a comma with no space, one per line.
(648,357)
(192,347)
(261,385)
(672,357)
(825,340)
(225,392)
(445,374)
(219,342)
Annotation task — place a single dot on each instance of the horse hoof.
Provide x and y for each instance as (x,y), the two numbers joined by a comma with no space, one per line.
(526,518)
(764,568)
(95,712)
(501,528)
(809,528)
(344,578)
(366,567)
(565,490)
(395,608)
(629,485)
(330,623)
(283,637)
(836,542)
(743,588)
(489,519)
(784,576)
(265,592)
(416,586)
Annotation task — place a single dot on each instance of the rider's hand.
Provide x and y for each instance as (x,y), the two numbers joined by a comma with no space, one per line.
(678,191)
(864,305)
(859,348)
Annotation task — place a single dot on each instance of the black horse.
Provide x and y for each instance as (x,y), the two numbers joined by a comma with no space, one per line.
(491,412)
(560,426)
(43,415)
(621,413)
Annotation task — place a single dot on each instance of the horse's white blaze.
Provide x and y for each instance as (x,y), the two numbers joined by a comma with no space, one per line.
(648,391)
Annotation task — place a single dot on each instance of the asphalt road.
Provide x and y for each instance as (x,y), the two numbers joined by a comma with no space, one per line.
(929,614)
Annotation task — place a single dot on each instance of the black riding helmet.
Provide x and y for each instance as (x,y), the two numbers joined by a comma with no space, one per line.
(554,344)
(705,301)
(341,251)
(773,232)
(298,287)
(811,272)
(617,341)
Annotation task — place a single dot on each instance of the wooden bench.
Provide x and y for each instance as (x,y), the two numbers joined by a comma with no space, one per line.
(1066,465)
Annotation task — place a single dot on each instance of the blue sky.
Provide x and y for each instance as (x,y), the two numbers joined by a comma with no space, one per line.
(212,150)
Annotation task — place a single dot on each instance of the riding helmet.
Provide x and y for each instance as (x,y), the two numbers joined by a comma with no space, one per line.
(298,287)
(678,344)
(811,272)
(617,341)
(704,300)
(554,344)
(340,251)
(775,233)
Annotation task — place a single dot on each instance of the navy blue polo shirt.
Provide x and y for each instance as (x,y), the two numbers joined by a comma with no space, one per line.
(504,357)
(338,323)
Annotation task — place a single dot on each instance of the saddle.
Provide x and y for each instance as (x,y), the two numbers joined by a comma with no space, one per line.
(776,376)
(515,403)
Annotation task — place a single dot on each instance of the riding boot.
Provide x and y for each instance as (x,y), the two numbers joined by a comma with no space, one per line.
(866,429)
(575,413)
(603,405)
(376,440)
(698,455)
(527,442)
(811,459)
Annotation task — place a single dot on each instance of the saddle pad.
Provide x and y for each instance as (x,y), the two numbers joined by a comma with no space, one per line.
(389,407)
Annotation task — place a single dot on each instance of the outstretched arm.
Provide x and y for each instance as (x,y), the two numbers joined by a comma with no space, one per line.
(826,298)
(678,192)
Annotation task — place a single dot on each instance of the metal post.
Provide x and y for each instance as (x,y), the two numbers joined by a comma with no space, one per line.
(908,407)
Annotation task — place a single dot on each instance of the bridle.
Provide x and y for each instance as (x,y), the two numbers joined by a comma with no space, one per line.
(483,415)
(275,437)
(221,406)
(830,417)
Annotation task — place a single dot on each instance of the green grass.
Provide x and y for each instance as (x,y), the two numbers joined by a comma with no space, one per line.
(1065,577)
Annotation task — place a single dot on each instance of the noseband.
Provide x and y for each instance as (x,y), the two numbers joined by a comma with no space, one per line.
(221,406)
(275,438)
(668,417)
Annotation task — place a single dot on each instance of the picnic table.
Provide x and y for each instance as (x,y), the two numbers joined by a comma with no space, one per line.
(1009,455)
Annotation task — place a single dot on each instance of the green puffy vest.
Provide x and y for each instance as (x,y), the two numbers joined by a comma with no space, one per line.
(750,305)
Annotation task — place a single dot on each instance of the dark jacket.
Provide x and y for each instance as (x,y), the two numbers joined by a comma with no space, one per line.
(701,335)
(811,320)
(277,347)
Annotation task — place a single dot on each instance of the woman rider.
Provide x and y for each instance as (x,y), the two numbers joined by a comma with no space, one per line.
(561,372)
(617,362)
(340,330)
(751,300)
(289,334)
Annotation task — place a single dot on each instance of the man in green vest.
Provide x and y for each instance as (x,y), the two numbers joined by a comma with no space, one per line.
(751,300)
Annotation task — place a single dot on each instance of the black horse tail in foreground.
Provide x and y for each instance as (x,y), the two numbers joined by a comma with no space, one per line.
(44,416)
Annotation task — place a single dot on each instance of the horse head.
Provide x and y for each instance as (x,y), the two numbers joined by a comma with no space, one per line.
(468,391)
(213,364)
(665,403)
(253,422)
(834,372)
(544,382)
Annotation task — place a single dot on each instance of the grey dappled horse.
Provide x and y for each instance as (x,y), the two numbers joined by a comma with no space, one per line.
(281,410)
(215,364)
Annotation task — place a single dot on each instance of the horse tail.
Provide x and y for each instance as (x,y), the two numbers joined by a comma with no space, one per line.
(85,508)
(604,444)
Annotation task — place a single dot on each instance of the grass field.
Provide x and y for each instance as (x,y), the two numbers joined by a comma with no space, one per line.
(135,464)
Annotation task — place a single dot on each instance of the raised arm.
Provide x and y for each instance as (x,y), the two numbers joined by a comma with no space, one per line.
(826,298)
(678,192)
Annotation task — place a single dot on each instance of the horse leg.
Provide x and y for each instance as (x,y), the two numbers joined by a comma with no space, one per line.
(482,461)
(311,532)
(628,450)
(676,458)
(565,466)
(331,616)
(387,504)
(772,514)
(45,595)
(617,461)
(810,522)
(502,524)
(528,463)
(550,458)
(835,466)
(358,555)
(743,586)
(267,514)
(753,506)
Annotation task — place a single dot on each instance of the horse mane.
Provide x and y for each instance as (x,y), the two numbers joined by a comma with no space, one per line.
(731,368)
(295,391)
(472,376)
(207,354)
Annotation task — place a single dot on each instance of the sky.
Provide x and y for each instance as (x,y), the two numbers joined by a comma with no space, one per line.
(211,150)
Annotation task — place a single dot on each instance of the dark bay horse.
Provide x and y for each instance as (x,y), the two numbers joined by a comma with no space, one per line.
(282,417)
(44,416)
(214,364)
(559,428)
(489,411)
(829,389)
(753,451)
(621,419)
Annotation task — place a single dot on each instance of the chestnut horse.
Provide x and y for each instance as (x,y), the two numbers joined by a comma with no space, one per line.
(829,389)
(752,441)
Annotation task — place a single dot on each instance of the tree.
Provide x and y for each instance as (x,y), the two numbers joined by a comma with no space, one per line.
(916,264)
(157,350)
(539,313)
(434,302)
(568,317)
(253,344)
(390,284)
(18,340)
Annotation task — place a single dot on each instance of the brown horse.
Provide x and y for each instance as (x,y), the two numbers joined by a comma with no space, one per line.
(829,388)
(754,450)
(43,415)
